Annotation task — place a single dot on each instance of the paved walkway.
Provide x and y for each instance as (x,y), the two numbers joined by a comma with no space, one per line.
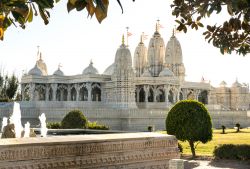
(216,164)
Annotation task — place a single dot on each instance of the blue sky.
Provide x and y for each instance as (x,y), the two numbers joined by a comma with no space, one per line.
(73,40)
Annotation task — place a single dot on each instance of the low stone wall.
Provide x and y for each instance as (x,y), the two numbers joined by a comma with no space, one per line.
(107,151)
(117,119)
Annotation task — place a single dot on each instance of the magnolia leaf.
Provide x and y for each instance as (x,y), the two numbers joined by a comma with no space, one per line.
(1,33)
(101,10)
(30,15)
(80,5)
(43,15)
(70,6)
(90,7)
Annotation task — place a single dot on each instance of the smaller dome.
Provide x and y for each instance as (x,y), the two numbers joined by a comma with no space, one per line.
(223,84)
(236,84)
(109,70)
(146,73)
(166,72)
(90,69)
(58,72)
(35,71)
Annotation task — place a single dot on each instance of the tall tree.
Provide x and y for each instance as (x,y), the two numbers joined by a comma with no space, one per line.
(12,85)
(232,35)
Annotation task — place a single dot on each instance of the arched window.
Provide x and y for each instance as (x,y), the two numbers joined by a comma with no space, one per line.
(83,94)
(180,96)
(151,95)
(190,95)
(40,92)
(203,97)
(141,95)
(73,94)
(160,95)
(26,94)
(96,93)
(171,96)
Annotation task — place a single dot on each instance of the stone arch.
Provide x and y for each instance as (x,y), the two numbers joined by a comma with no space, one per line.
(73,94)
(171,96)
(61,93)
(181,96)
(141,95)
(26,93)
(160,95)
(96,92)
(83,93)
(203,97)
(190,95)
(151,95)
(40,92)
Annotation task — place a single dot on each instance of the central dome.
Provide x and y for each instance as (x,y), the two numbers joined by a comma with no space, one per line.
(90,69)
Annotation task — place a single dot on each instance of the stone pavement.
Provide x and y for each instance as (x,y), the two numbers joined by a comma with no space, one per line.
(216,164)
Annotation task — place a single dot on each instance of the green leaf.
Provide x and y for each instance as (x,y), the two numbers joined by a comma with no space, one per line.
(230,8)
(200,24)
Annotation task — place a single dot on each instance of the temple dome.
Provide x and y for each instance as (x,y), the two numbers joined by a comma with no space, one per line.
(166,72)
(109,70)
(35,71)
(223,84)
(146,73)
(90,69)
(58,72)
(173,53)
(123,57)
(236,84)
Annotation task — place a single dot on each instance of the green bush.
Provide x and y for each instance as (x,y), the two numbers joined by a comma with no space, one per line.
(5,100)
(189,121)
(54,125)
(95,125)
(231,151)
(73,120)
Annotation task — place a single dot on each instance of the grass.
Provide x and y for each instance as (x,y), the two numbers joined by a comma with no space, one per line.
(231,137)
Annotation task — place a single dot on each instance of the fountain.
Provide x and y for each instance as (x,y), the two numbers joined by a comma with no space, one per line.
(27,130)
(16,120)
(44,129)
(4,123)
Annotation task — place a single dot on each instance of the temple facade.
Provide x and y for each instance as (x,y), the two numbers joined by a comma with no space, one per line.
(154,80)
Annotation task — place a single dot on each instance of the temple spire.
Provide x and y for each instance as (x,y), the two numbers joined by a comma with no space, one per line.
(123,41)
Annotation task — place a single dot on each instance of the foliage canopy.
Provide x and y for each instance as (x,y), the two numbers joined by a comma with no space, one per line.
(189,121)
(232,35)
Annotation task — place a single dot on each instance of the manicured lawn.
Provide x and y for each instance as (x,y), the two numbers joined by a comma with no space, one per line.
(231,137)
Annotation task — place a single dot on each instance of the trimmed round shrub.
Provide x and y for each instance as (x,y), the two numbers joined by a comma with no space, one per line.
(74,120)
(189,121)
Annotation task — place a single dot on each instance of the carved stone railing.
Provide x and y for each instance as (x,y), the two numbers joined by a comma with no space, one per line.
(127,150)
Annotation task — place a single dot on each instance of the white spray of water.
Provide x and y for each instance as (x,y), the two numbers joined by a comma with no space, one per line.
(27,130)
(16,120)
(44,129)
(4,123)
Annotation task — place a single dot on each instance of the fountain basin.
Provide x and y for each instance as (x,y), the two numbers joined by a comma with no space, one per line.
(124,150)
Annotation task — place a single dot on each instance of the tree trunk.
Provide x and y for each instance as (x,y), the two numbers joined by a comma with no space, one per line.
(191,143)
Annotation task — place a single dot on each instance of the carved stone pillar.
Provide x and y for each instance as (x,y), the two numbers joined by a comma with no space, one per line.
(154,94)
(22,91)
(89,88)
(77,91)
(32,90)
(54,88)
(137,94)
(184,94)
(69,93)
(47,92)
(166,90)
(146,89)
